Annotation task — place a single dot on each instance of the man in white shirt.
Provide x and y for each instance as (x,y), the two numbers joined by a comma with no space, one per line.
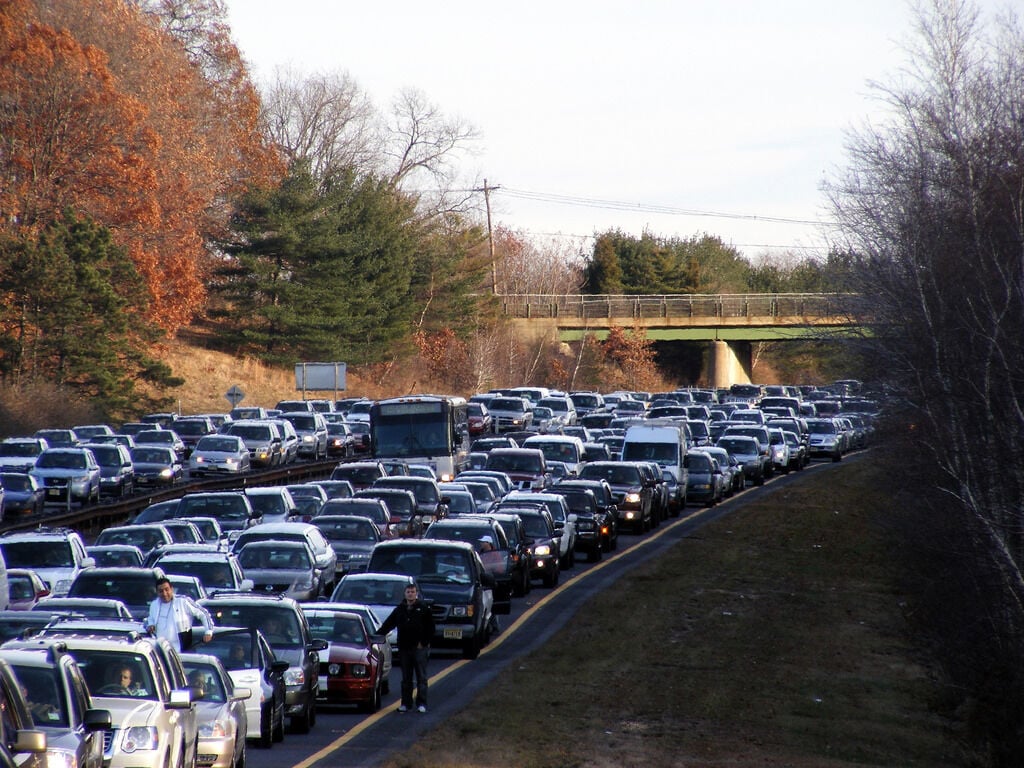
(170,616)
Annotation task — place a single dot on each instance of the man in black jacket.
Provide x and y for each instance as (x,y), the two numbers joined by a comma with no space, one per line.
(415,631)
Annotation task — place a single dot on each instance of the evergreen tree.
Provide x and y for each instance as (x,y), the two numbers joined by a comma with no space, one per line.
(75,317)
(321,271)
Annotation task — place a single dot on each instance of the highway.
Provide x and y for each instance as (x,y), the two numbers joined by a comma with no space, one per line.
(347,737)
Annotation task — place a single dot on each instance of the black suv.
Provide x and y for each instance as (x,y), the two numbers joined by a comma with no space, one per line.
(452,580)
(489,540)
(284,625)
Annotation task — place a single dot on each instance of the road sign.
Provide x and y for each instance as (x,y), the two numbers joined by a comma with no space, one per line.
(235,395)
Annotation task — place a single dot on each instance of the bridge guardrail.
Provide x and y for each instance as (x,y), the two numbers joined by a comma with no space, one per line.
(584,306)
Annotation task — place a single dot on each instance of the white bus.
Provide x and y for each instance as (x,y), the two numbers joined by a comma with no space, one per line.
(422,429)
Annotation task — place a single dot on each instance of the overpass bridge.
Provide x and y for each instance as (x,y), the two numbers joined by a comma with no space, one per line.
(729,322)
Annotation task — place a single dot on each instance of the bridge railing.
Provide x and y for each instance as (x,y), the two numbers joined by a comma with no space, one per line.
(723,305)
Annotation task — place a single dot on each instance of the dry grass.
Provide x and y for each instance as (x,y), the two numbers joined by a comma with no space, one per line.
(775,638)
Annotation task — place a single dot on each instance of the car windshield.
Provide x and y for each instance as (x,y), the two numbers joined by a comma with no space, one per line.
(425,493)
(700,463)
(337,628)
(399,504)
(20,450)
(211,573)
(204,682)
(357,475)
(737,446)
(663,453)
(161,436)
(269,557)
(536,526)
(368,509)
(514,462)
(143,538)
(231,507)
(615,474)
(268,503)
(36,553)
(191,428)
(427,565)
(370,591)
(348,530)
(74,460)
(218,444)
(15,481)
(116,674)
(234,649)
(151,455)
(129,588)
(251,431)
(43,688)
(279,625)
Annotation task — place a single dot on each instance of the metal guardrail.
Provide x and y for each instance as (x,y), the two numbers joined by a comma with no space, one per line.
(721,306)
(95,517)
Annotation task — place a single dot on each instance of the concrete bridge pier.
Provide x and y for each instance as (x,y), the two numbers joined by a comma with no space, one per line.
(730,363)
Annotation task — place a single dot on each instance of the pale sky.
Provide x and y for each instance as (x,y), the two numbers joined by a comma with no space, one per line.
(645,114)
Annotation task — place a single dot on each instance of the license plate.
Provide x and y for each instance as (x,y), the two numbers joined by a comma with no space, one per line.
(55,493)
(453,634)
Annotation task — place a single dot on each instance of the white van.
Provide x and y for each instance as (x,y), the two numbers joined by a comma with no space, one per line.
(663,442)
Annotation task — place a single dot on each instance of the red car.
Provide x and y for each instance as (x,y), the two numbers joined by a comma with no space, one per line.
(480,420)
(352,669)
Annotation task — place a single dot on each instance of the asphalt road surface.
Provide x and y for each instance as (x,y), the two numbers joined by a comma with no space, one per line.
(346,737)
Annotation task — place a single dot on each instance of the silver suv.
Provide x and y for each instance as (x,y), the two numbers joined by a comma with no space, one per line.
(141,682)
(59,702)
(68,474)
(56,554)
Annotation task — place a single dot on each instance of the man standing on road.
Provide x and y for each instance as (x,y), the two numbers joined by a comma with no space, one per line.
(170,617)
(415,626)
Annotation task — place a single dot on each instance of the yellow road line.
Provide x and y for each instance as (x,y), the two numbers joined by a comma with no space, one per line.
(505,634)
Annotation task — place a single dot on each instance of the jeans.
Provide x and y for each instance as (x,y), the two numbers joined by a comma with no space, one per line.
(414,660)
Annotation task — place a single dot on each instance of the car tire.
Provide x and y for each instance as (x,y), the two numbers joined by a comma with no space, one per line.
(302,723)
(372,704)
(595,555)
(240,759)
(471,648)
(551,578)
(266,738)
(277,731)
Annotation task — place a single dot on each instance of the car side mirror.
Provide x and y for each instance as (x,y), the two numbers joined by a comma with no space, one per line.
(29,741)
(317,644)
(279,667)
(97,720)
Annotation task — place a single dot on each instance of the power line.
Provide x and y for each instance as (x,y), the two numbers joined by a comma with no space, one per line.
(620,205)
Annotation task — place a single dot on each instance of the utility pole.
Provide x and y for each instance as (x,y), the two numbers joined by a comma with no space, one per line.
(490,236)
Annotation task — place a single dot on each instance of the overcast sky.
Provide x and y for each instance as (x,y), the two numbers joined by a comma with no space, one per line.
(636,115)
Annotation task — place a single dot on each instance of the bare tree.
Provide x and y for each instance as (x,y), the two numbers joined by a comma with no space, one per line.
(526,266)
(933,209)
(323,118)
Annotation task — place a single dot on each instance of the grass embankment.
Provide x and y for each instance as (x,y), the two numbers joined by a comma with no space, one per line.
(773,637)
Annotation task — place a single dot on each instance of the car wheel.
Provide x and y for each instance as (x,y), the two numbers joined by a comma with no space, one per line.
(240,759)
(277,730)
(551,578)
(302,723)
(471,648)
(385,686)
(266,728)
(372,704)
(595,554)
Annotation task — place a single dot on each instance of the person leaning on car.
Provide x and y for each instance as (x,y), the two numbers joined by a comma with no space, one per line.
(415,626)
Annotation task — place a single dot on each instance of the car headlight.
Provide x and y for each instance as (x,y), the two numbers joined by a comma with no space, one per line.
(60,758)
(542,550)
(231,462)
(632,498)
(140,737)
(198,459)
(166,473)
(462,611)
(360,670)
(294,676)
(308,439)
(701,486)
(217,729)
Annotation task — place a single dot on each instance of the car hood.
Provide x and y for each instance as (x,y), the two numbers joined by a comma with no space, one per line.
(16,464)
(352,653)
(352,547)
(208,711)
(446,594)
(125,712)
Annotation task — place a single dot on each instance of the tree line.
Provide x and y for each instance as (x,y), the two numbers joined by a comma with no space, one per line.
(150,184)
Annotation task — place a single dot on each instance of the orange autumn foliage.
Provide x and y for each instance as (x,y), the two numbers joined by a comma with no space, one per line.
(106,113)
